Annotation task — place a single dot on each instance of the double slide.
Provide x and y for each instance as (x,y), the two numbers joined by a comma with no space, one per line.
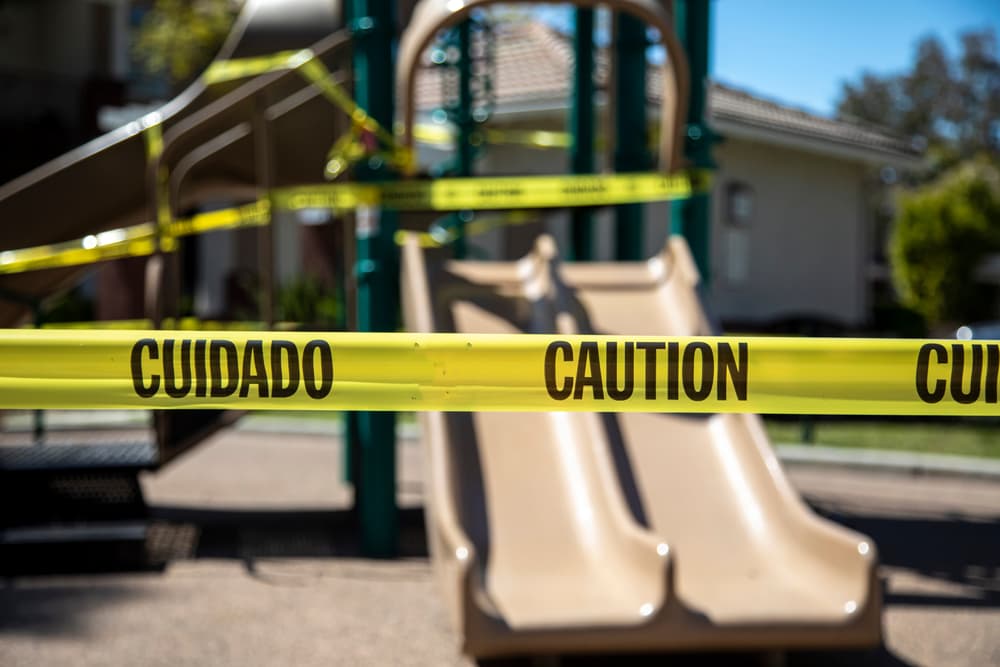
(563,532)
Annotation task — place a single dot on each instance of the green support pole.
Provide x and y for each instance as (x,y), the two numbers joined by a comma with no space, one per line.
(377,270)
(465,127)
(691,218)
(350,460)
(582,129)
(630,129)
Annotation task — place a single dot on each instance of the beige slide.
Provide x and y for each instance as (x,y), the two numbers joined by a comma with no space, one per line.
(575,532)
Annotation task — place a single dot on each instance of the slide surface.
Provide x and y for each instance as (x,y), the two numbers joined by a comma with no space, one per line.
(103,184)
(559,532)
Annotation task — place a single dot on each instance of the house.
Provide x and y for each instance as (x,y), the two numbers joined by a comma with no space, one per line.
(794,200)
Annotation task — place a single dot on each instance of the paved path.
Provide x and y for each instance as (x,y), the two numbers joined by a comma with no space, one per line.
(261,569)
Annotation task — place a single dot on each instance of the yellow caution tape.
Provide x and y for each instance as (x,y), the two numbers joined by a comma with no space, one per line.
(136,241)
(181,324)
(153,136)
(315,72)
(445,194)
(441,135)
(312,69)
(221,71)
(536,138)
(459,372)
(440,236)
(497,193)
(254,214)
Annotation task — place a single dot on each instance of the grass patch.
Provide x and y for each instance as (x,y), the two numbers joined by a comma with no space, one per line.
(958,439)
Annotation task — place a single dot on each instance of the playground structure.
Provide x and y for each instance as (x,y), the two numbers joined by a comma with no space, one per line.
(614,552)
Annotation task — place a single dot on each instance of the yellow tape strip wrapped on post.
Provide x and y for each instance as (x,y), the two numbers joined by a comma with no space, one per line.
(222,71)
(457,372)
(498,193)
(315,72)
(162,239)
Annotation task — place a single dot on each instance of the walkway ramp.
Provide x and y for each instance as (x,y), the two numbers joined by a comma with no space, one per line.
(518,516)
(86,491)
(103,184)
(207,131)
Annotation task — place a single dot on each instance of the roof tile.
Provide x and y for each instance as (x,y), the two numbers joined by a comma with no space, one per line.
(534,64)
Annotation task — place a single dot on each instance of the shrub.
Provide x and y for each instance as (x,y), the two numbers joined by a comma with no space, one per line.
(180,37)
(943,232)
(308,302)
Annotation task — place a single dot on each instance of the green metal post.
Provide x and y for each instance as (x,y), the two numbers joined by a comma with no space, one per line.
(630,129)
(377,270)
(465,126)
(39,415)
(582,129)
(691,217)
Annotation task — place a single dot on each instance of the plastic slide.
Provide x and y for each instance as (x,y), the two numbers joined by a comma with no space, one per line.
(574,532)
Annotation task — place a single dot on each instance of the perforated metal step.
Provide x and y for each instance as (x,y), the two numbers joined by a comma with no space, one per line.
(130,455)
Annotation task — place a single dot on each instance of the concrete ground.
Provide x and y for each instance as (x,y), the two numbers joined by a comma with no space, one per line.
(260,567)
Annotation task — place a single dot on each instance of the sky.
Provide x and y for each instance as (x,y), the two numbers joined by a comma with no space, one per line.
(799,52)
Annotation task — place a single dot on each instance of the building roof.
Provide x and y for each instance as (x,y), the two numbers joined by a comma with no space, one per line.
(533,66)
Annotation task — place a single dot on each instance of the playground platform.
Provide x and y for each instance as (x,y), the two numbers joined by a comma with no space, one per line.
(258,565)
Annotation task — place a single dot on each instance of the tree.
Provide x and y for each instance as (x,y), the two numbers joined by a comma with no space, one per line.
(948,220)
(179,37)
(943,232)
(950,105)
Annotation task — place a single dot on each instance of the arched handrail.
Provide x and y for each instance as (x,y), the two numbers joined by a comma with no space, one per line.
(431,16)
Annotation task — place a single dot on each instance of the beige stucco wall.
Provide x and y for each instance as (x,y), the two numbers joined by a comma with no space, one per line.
(804,251)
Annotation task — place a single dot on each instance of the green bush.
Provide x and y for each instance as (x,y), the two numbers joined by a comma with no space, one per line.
(180,37)
(943,232)
(308,302)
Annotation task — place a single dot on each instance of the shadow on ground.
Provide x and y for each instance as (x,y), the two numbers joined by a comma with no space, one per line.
(179,533)
(955,549)
(873,658)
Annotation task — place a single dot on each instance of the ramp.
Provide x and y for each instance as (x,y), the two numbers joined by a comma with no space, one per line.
(88,492)
(103,184)
(208,136)
(518,514)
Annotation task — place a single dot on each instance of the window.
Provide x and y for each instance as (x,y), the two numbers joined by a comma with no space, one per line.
(739,204)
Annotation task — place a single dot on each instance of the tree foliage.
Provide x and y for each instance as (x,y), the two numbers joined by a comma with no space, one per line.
(948,222)
(943,232)
(952,105)
(180,37)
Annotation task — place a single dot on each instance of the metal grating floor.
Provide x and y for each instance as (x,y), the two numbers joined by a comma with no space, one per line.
(134,454)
